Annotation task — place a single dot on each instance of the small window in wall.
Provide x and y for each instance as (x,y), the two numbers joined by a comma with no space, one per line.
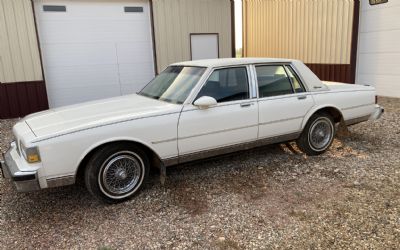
(375,2)
(133,9)
(204,46)
(54,8)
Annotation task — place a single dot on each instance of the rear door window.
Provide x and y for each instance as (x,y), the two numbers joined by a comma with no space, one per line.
(273,81)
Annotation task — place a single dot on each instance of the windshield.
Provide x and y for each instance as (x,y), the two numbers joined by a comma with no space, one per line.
(173,84)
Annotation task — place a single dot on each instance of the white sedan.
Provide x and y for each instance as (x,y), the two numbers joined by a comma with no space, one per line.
(192,110)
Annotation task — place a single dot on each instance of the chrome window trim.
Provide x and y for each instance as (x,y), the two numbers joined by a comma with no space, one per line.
(253,72)
(268,98)
(290,80)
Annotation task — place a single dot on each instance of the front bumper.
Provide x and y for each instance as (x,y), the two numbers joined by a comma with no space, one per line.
(24,181)
(378,111)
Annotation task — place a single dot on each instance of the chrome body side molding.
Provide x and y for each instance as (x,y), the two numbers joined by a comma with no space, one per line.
(230,149)
(356,120)
(61,181)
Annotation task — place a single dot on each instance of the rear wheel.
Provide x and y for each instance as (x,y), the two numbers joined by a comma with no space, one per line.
(317,135)
(116,172)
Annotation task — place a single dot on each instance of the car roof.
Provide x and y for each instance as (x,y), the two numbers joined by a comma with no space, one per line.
(231,62)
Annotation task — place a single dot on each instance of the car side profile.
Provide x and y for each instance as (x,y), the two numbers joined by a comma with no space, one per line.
(190,111)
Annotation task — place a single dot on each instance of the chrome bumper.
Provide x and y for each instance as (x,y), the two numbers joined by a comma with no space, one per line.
(22,180)
(377,113)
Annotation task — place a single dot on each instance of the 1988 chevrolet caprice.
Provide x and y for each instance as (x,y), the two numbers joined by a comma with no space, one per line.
(192,110)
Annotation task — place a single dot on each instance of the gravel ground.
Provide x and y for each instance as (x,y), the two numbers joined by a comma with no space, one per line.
(270,197)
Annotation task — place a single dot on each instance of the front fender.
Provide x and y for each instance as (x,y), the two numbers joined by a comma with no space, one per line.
(98,144)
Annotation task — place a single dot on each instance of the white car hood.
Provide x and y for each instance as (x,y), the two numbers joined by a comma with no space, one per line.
(77,117)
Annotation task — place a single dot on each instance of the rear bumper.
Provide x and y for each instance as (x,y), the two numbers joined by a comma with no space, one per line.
(378,111)
(24,181)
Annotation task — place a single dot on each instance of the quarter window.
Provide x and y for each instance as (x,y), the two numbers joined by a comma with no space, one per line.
(225,85)
(273,81)
(298,87)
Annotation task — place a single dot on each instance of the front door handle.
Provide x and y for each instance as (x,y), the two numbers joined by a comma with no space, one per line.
(243,105)
(302,97)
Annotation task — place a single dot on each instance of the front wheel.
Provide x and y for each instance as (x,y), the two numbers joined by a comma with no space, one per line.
(317,135)
(116,172)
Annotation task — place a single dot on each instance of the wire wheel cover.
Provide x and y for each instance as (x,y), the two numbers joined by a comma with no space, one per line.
(120,173)
(321,133)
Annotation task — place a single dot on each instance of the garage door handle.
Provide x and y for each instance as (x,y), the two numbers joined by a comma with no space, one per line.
(302,97)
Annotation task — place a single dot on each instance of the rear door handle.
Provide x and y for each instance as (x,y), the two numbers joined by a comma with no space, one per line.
(302,97)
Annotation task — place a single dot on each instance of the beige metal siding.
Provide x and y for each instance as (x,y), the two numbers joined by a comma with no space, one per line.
(314,31)
(174,20)
(19,53)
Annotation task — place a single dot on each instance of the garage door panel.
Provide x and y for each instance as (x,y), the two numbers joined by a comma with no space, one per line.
(130,72)
(94,49)
(57,55)
(89,10)
(76,76)
(94,31)
(132,80)
(379,41)
(379,63)
(127,89)
(134,52)
(62,97)
(387,84)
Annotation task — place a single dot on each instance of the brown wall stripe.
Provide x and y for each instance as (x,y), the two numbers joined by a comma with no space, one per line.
(332,72)
(354,40)
(22,98)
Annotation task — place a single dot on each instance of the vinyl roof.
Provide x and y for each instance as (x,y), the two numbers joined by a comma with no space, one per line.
(231,61)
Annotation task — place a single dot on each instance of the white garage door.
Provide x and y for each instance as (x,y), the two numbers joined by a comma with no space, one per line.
(94,49)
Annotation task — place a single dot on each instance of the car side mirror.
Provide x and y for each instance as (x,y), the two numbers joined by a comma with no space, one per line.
(205,102)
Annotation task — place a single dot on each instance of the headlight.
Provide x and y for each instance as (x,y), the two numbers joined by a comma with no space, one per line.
(31,155)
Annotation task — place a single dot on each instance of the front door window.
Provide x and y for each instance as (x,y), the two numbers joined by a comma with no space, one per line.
(226,85)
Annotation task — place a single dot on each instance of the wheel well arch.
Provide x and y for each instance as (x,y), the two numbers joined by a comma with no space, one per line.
(333,111)
(154,158)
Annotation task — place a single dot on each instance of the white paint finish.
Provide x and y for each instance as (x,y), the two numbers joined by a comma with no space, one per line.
(94,50)
(378,57)
(222,125)
(204,46)
(66,135)
(293,110)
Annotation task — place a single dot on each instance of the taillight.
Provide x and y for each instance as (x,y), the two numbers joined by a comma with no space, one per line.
(376,99)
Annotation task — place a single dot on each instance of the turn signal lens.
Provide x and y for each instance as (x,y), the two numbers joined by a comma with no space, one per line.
(31,155)
(33,158)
